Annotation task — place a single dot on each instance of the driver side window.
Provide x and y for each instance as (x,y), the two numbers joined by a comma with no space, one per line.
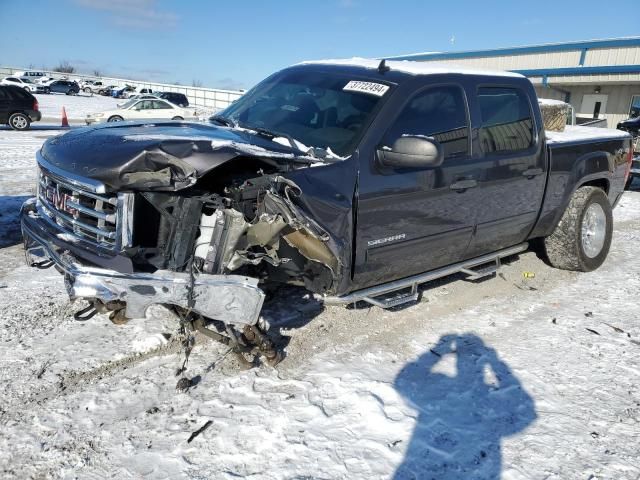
(438,112)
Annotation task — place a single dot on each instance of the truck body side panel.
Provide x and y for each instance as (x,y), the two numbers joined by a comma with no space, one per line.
(575,164)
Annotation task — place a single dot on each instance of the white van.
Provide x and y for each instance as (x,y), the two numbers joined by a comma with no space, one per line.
(32,75)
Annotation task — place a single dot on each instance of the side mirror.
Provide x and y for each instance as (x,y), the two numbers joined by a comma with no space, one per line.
(412,152)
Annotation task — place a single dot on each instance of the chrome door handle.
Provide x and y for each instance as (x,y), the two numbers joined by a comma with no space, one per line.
(532,172)
(462,185)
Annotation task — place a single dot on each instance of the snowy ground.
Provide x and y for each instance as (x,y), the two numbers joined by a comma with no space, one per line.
(76,106)
(513,378)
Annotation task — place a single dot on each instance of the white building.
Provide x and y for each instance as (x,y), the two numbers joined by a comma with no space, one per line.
(600,78)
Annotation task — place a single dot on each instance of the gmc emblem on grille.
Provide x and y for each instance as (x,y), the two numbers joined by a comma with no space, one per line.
(59,200)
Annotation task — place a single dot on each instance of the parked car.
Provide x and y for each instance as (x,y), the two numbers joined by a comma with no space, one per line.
(179,99)
(632,125)
(148,110)
(106,91)
(132,99)
(92,86)
(32,75)
(355,179)
(122,92)
(18,107)
(45,80)
(23,83)
(63,86)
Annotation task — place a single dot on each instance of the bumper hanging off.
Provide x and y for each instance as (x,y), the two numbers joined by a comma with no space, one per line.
(232,299)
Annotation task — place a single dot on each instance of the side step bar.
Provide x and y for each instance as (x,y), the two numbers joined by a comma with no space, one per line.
(371,295)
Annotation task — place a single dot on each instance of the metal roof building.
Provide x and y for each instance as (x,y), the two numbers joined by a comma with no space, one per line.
(600,78)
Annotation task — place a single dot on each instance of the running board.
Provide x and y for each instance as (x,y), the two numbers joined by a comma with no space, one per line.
(378,296)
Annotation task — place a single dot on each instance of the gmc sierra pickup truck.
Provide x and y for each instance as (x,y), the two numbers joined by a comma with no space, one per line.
(356,179)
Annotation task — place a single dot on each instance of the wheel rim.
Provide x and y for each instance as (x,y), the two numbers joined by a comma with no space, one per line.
(115,119)
(19,122)
(594,230)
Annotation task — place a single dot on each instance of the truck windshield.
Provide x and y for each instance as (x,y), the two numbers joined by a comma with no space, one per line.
(319,110)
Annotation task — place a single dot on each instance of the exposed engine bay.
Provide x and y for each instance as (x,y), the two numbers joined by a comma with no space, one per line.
(230,224)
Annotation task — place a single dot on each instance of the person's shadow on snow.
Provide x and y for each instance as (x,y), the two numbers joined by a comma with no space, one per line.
(467,400)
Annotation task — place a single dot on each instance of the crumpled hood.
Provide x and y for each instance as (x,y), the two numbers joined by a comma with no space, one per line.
(158,156)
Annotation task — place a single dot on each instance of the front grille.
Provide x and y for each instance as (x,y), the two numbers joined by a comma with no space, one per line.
(95,218)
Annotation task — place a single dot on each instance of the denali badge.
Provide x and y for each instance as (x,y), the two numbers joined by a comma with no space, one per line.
(381,241)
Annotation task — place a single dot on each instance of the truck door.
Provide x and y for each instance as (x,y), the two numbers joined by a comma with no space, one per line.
(512,185)
(418,219)
(4,105)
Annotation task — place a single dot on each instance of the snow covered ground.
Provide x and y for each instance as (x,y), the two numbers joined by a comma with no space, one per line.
(76,106)
(513,377)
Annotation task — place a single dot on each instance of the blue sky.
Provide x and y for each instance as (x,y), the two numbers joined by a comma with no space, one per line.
(234,44)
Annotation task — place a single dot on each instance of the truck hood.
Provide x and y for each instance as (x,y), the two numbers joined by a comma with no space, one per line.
(160,156)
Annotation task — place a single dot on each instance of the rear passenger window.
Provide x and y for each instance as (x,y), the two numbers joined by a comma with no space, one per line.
(507,125)
(438,112)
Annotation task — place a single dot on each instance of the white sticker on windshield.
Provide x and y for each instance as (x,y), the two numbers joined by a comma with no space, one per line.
(371,88)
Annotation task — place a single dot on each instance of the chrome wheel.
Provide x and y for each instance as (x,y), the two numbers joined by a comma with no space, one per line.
(19,122)
(594,230)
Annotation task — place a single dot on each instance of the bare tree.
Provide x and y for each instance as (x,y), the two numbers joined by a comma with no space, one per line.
(65,67)
(196,83)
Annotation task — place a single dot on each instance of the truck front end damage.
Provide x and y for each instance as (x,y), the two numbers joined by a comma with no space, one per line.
(192,223)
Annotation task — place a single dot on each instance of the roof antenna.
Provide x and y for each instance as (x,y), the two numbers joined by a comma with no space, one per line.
(382,68)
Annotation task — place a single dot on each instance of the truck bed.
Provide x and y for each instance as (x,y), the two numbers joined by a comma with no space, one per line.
(579,134)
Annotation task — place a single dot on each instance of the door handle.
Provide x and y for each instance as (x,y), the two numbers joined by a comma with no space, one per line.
(462,185)
(532,172)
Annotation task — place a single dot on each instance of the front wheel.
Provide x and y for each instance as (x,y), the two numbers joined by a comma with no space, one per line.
(177,118)
(87,90)
(115,118)
(582,239)
(19,121)
(47,90)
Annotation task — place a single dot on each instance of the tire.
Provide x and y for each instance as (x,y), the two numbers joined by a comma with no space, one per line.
(115,118)
(19,121)
(177,118)
(87,90)
(27,89)
(571,246)
(47,90)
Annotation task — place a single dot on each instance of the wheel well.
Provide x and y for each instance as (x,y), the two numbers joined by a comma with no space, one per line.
(601,183)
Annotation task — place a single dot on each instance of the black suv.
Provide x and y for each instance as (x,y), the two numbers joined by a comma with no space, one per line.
(631,125)
(18,108)
(179,99)
(63,86)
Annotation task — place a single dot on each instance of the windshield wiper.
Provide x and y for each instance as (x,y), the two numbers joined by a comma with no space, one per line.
(222,120)
(271,134)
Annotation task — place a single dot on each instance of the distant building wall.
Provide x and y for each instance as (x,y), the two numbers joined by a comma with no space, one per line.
(608,67)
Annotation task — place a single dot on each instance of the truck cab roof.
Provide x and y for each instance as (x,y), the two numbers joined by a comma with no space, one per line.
(398,70)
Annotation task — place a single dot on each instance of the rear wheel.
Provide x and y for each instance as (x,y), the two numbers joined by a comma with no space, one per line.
(87,90)
(19,121)
(115,118)
(582,239)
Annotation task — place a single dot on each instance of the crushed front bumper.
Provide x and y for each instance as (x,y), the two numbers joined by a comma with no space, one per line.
(232,299)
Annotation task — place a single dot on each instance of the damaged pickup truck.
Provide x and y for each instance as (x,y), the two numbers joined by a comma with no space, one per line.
(358,180)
